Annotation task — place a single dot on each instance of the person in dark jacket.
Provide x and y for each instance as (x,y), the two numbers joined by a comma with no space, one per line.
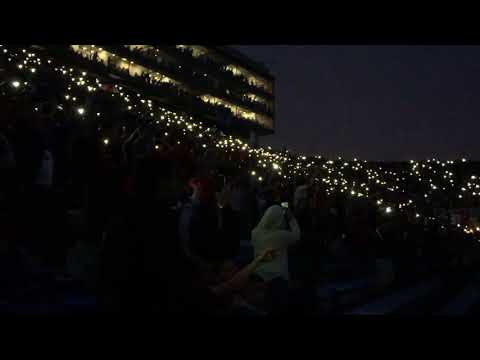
(139,246)
(214,234)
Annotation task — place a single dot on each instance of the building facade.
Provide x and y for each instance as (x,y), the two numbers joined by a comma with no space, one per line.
(216,84)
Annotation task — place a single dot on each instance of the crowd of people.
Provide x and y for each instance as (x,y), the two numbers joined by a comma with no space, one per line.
(155,227)
(124,218)
(151,223)
(170,90)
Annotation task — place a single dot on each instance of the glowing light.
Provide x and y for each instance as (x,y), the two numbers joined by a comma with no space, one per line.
(388,210)
(15,84)
(81,111)
(106,141)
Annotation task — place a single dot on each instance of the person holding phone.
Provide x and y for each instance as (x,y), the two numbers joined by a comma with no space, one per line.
(278,229)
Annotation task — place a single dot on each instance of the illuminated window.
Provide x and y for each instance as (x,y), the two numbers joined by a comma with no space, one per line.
(251,78)
(239,111)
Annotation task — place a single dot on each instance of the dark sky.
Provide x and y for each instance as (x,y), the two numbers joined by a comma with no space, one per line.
(375,102)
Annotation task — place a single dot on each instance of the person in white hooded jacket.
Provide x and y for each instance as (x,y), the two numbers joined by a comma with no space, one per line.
(277,229)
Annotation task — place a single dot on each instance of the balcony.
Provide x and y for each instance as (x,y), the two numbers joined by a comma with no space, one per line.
(168,94)
(201,82)
(215,69)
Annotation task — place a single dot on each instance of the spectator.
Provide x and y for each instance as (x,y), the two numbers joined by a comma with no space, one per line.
(194,296)
(136,255)
(213,234)
(273,232)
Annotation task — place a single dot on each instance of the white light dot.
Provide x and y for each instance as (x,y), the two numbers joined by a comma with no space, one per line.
(81,111)
(15,84)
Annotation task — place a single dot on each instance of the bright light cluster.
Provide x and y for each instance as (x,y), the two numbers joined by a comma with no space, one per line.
(431,180)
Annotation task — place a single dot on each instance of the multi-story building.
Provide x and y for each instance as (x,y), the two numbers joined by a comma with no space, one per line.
(217,84)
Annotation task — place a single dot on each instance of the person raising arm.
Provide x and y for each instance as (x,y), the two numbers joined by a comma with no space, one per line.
(240,279)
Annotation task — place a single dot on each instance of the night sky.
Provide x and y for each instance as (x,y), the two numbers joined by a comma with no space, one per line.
(375,102)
